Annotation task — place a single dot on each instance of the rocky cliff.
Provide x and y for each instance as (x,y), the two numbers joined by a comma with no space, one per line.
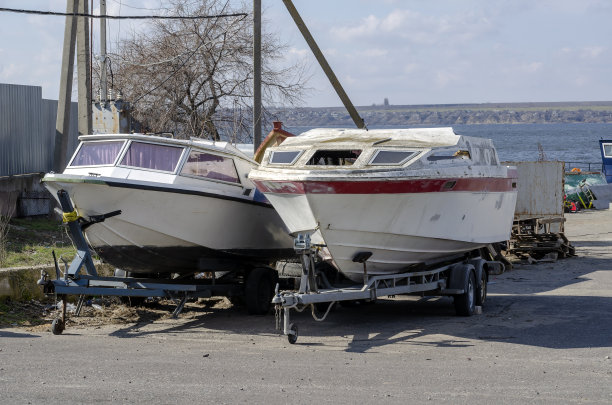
(519,113)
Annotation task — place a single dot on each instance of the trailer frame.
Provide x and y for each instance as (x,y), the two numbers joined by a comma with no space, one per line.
(72,282)
(448,277)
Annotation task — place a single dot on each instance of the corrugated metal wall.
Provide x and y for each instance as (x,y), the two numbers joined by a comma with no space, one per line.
(27,130)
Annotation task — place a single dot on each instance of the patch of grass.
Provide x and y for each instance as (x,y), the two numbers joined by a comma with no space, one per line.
(37,224)
(30,241)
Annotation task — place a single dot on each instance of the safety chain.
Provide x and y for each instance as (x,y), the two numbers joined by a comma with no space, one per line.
(277,316)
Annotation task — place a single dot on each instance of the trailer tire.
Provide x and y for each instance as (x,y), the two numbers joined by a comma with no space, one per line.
(259,290)
(465,303)
(481,289)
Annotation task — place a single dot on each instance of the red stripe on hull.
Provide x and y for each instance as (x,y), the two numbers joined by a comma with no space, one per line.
(476,184)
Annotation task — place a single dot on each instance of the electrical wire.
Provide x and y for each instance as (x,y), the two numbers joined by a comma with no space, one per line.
(122,17)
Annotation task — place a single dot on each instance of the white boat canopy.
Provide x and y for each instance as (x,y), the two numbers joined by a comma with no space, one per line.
(417,137)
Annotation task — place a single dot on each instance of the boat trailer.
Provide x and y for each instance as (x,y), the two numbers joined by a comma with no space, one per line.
(72,282)
(464,278)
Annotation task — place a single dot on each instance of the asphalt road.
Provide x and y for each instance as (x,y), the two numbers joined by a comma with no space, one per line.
(545,336)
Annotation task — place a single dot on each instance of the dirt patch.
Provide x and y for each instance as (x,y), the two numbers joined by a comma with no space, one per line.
(37,316)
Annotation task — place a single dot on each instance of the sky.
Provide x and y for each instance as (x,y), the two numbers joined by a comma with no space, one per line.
(408,51)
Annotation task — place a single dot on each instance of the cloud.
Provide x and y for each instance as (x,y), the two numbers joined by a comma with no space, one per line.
(10,71)
(531,67)
(592,52)
(301,52)
(370,25)
(410,68)
(373,53)
(416,28)
(444,77)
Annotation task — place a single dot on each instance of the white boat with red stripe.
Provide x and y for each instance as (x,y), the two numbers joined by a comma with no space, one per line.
(407,196)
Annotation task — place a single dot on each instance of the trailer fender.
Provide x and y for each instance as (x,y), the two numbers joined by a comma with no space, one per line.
(458,275)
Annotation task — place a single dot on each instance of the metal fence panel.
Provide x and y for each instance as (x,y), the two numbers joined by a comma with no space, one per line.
(27,130)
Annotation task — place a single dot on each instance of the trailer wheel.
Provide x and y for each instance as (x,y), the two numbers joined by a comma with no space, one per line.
(57,326)
(259,290)
(481,290)
(292,338)
(466,302)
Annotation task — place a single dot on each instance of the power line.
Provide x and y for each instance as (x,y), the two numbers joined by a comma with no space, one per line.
(122,17)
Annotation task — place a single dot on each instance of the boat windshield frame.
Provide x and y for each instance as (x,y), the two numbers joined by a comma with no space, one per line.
(82,143)
(298,152)
(177,166)
(603,149)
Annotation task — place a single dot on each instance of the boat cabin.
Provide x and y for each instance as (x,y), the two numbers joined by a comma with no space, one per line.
(165,160)
(606,158)
(338,149)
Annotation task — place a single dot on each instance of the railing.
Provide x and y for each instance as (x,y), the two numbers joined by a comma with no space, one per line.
(584,166)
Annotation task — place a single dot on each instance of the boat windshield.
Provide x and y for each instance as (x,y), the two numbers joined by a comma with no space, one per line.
(392,157)
(202,164)
(97,153)
(152,156)
(284,157)
(334,157)
(607,148)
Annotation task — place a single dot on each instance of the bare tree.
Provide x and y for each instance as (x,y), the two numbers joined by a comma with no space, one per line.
(194,76)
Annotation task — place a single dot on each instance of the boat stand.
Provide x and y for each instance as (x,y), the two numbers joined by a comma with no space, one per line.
(72,282)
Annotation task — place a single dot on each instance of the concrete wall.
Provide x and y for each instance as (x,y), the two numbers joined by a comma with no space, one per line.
(24,195)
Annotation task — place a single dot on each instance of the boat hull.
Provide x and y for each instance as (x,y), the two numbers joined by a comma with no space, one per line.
(172,230)
(401,223)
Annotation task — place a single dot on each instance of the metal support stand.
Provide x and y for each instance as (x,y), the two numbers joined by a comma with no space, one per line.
(79,305)
(73,282)
(83,256)
(179,307)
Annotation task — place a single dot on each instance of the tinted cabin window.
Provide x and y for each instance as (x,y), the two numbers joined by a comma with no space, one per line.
(97,153)
(607,149)
(284,157)
(392,157)
(202,164)
(334,157)
(151,156)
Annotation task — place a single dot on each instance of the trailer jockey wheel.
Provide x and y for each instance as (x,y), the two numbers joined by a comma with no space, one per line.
(57,327)
(292,338)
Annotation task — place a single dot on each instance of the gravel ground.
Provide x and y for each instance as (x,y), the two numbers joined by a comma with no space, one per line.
(545,336)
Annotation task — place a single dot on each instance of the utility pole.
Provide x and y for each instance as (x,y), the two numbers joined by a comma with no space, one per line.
(103,86)
(324,65)
(62,124)
(256,74)
(83,68)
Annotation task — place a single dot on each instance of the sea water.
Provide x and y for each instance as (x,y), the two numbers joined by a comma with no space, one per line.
(571,143)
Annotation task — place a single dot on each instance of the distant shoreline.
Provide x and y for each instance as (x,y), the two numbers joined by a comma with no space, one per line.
(451,114)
